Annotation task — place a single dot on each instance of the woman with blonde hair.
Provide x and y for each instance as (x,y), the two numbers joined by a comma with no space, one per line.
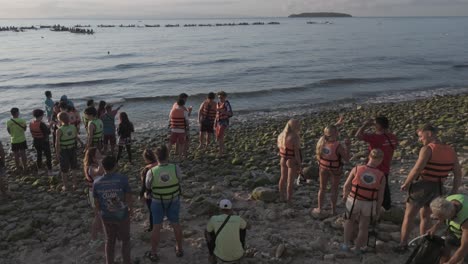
(93,169)
(289,144)
(330,154)
(363,194)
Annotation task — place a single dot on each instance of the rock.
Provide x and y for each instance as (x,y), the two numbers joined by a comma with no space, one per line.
(395,236)
(388,227)
(4,209)
(373,260)
(280,251)
(21,233)
(394,215)
(264,194)
(261,181)
(329,257)
(270,215)
(203,207)
(311,173)
(236,161)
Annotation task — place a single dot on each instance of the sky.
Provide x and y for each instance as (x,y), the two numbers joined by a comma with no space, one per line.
(224,8)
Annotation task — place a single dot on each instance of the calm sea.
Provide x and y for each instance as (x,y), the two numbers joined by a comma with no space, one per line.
(262,67)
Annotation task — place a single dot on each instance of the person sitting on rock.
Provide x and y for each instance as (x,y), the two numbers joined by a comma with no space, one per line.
(65,149)
(225,235)
(16,127)
(436,160)
(382,139)
(113,200)
(331,155)
(289,145)
(452,210)
(363,194)
(164,182)
(41,133)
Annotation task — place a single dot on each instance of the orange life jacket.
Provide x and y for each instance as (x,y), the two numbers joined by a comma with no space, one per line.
(177,117)
(366,183)
(221,112)
(35,128)
(329,158)
(286,152)
(209,110)
(440,164)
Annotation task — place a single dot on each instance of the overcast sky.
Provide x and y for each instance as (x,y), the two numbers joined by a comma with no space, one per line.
(224,8)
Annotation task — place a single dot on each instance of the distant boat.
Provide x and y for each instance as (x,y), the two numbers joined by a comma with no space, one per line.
(273,23)
(152,25)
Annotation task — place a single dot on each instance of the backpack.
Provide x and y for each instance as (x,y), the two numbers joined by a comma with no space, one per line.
(428,251)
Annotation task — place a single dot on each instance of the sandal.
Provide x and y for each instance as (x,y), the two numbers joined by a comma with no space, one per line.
(152,257)
(179,252)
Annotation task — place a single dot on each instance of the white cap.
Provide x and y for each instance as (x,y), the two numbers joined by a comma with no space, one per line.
(225,204)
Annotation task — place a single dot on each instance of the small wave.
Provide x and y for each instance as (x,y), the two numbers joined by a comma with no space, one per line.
(125,66)
(113,56)
(340,81)
(460,66)
(63,84)
(220,61)
(6,60)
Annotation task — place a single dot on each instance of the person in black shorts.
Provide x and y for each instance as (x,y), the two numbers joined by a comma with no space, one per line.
(206,119)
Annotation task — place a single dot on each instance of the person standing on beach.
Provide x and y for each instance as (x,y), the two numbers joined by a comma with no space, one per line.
(95,129)
(382,139)
(150,162)
(363,194)
(223,113)
(101,108)
(16,127)
(49,105)
(65,99)
(113,200)
(40,133)
(65,149)
(225,235)
(184,96)
(164,182)
(331,155)
(89,103)
(436,160)
(206,119)
(108,120)
(289,145)
(178,119)
(92,166)
(124,131)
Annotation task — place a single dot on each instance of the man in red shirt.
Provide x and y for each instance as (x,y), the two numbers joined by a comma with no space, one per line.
(382,139)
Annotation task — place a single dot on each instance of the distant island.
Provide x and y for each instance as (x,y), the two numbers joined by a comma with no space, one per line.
(321,14)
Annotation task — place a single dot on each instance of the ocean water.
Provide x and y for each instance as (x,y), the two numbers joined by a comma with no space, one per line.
(263,68)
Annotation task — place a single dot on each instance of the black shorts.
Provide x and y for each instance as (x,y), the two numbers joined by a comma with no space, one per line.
(19,146)
(421,193)
(68,160)
(207,126)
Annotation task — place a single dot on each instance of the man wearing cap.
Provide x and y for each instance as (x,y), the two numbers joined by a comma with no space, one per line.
(40,133)
(436,160)
(225,235)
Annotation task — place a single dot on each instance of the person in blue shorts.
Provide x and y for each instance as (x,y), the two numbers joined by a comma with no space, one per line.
(163,183)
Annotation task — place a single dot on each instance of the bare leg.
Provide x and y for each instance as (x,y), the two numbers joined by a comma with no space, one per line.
(349,230)
(425,217)
(178,236)
(24,159)
(17,159)
(65,180)
(410,213)
(335,182)
(96,226)
(155,234)
(208,140)
(292,174)
(323,188)
(201,139)
(363,233)
(283,179)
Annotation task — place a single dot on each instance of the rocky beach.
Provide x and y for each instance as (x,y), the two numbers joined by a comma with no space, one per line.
(39,224)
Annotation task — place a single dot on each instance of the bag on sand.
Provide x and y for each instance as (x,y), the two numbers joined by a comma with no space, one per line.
(428,251)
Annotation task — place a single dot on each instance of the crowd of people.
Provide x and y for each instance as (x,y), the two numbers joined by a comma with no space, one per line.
(365,193)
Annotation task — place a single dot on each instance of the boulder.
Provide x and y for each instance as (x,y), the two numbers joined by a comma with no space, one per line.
(394,215)
(311,173)
(203,207)
(264,194)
